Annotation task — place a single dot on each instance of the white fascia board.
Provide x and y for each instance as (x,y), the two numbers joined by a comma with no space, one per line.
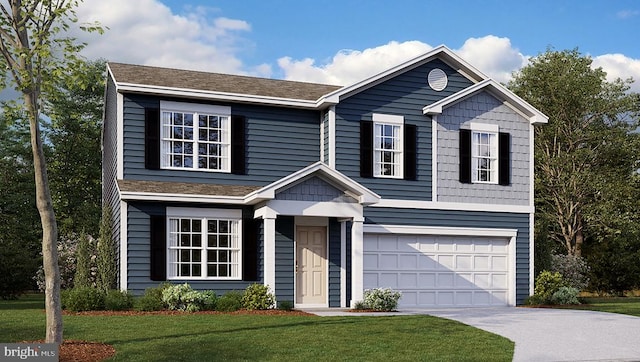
(454,206)
(528,111)
(152,196)
(220,96)
(438,230)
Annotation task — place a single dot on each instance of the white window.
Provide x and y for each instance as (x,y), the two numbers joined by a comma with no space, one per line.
(484,153)
(204,244)
(195,136)
(387,145)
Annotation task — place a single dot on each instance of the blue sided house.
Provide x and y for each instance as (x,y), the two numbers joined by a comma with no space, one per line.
(419,179)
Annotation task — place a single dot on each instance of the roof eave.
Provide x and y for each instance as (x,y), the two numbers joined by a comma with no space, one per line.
(220,96)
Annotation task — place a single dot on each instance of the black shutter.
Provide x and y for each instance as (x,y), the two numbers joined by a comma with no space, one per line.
(410,145)
(250,249)
(366,149)
(238,145)
(504,159)
(158,248)
(152,138)
(465,156)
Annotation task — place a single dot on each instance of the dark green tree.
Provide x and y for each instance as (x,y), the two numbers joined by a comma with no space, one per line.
(19,224)
(587,152)
(75,109)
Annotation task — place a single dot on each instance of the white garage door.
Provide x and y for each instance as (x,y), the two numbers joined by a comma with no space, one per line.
(439,271)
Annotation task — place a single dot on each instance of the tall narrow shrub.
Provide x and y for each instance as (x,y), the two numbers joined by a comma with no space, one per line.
(82,278)
(106,258)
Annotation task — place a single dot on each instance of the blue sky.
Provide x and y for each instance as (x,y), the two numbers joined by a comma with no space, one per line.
(341,41)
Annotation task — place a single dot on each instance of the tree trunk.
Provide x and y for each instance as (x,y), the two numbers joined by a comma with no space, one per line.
(579,241)
(53,307)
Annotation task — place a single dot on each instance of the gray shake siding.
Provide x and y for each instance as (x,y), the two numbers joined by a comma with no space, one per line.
(314,189)
(279,142)
(482,108)
(470,219)
(405,95)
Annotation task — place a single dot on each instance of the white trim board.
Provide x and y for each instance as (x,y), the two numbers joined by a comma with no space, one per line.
(438,230)
(455,206)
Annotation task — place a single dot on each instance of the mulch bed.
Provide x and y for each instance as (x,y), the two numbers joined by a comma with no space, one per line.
(84,351)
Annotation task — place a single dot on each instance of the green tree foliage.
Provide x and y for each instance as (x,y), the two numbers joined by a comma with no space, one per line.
(106,254)
(34,54)
(586,156)
(75,109)
(19,223)
(82,278)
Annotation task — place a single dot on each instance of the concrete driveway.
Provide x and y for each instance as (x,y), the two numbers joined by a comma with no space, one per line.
(555,334)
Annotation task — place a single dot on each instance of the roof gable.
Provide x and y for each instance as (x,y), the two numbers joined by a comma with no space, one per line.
(319,169)
(497,90)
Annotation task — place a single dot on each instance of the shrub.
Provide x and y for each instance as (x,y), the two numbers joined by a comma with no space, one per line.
(82,299)
(565,295)
(360,305)
(117,300)
(152,299)
(106,258)
(182,297)
(285,305)
(548,283)
(574,270)
(534,300)
(258,297)
(230,302)
(381,299)
(209,300)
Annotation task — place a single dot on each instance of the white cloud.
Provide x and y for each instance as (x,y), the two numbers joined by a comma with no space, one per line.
(350,66)
(148,32)
(626,14)
(620,66)
(491,55)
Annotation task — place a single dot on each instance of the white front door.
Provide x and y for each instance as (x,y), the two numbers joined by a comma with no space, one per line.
(311,256)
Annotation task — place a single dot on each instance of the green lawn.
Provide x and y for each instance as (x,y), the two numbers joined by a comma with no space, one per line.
(622,305)
(200,337)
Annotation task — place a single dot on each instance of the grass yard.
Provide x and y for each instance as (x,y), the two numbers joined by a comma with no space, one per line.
(622,305)
(208,337)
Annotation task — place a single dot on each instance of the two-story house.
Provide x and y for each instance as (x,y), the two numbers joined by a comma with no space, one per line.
(419,178)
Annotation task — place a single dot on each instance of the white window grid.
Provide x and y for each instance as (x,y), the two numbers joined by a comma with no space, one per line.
(195,141)
(484,157)
(204,248)
(387,150)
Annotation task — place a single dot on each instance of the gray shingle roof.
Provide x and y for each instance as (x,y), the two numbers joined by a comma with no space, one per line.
(216,82)
(185,188)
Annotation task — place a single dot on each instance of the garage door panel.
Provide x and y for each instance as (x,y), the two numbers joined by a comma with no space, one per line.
(388,261)
(438,271)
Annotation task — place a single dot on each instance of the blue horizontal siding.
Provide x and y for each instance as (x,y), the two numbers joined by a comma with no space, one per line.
(285,226)
(138,253)
(405,94)
(279,141)
(469,219)
(334,263)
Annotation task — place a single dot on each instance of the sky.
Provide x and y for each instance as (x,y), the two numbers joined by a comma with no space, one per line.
(343,42)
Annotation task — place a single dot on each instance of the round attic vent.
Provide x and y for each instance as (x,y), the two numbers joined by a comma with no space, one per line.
(437,79)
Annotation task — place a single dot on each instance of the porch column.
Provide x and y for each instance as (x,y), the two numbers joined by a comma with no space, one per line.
(357,241)
(270,252)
